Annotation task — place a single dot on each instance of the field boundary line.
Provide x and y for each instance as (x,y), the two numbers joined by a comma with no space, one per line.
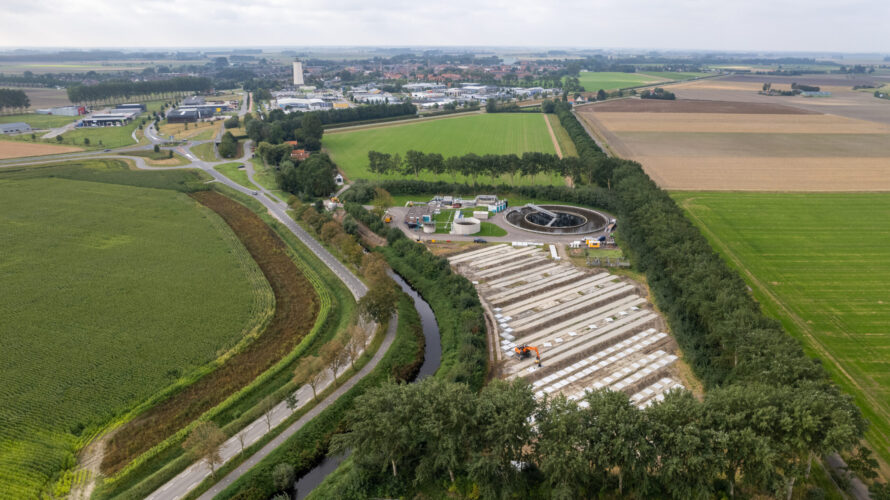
(552,136)
(805,330)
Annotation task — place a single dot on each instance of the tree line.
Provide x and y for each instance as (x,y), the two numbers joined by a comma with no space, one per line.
(471,165)
(14,100)
(115,90)
(657,93)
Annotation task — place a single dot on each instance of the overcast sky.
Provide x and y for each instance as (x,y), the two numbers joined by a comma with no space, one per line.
(778,25)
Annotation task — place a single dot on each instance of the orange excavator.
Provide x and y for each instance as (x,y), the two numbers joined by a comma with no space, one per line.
(524,351)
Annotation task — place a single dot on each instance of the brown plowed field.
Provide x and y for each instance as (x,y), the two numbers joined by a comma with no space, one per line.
(296,308)
(691,106)
(723,135)
(16,149)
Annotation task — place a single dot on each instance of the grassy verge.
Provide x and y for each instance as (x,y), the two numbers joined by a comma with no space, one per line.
(205,152)
(236,173)
(308,446)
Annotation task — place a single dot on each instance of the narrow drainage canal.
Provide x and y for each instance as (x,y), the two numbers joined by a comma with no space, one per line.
(432,357)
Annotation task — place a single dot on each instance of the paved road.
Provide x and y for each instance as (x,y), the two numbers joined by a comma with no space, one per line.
(186,481)
(230,478)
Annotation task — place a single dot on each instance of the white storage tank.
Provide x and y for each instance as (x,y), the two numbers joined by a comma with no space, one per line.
(466,225)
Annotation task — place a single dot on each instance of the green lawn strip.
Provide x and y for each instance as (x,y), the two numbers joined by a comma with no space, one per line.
(160,156)
(338,310)
(481,134)
(514,200)
(665,76)
(39,122)
(817,263)
(236,173)
(205,135)
(205,152)
(566,145)
(308,446)
(105,396)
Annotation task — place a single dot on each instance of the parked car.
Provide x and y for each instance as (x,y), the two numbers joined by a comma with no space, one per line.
(479,240)
(107,150)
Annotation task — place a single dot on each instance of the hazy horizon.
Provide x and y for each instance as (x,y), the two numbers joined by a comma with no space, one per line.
(687,25)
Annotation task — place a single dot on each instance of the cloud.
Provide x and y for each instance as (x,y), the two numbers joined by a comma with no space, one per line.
(777,25)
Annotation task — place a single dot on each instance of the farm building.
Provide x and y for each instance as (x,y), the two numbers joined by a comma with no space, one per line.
(108,119)
(14,128)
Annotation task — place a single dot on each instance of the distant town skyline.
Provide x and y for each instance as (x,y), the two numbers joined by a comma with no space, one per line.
(858,26)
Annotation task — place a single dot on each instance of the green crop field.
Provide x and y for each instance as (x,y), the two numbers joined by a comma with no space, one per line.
(110,294)
(820,263)
(480,134)
(606,80)
(593,81)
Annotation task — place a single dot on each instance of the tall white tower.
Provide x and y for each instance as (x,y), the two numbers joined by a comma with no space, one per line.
(298,73)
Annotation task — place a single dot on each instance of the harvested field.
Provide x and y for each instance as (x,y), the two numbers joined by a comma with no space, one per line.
(593,330)
(47,98)
(705,122)
(690,106)
(295,312)
(15,149)
(750,141)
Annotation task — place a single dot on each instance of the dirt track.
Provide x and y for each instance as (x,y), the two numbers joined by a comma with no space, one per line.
(16,149)
(691,106)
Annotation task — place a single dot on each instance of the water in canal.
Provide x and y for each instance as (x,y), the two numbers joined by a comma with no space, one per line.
(432,357)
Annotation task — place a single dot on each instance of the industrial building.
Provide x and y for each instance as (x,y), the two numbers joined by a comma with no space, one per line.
(14,128)
(183,115)
(114,119)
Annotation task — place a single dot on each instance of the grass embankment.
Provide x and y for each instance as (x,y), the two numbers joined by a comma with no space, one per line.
(308,446)
(820,264)
(296,308)
(336,314)
(99,281)
(205,152)
(481,134)
(562,137)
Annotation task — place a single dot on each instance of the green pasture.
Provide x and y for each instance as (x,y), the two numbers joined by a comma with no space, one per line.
(481,134)
(609,80)
(110,294)
(820,263)
(39,122)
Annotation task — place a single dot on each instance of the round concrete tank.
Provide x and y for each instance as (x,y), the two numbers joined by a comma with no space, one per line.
(467,225)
